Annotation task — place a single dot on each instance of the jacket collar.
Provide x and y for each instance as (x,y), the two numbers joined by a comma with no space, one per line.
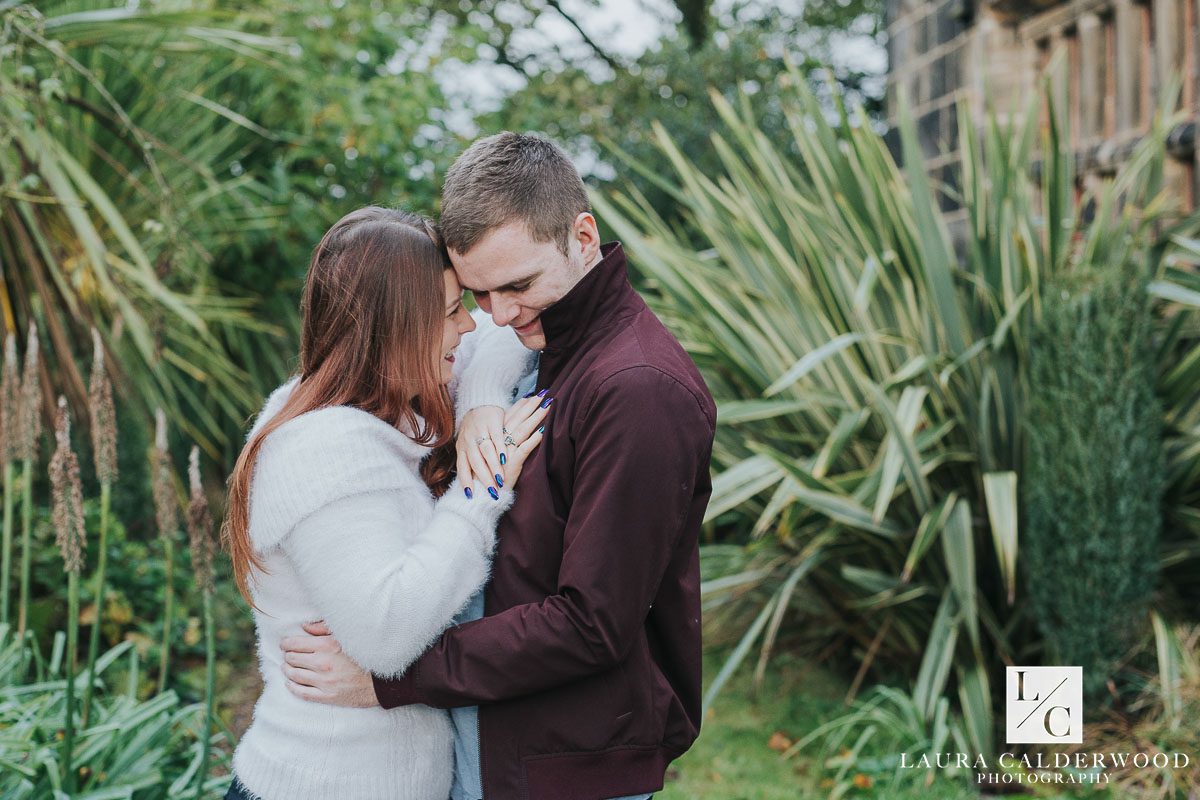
(603,295)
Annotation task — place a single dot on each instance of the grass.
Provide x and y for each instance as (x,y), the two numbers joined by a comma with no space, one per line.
(733,759)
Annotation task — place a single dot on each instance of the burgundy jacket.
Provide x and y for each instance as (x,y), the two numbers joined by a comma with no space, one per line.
(586,666)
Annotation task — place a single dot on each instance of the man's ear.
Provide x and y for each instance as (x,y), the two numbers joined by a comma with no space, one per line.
(588,236)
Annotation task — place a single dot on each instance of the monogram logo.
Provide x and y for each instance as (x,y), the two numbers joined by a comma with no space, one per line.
(1044,705)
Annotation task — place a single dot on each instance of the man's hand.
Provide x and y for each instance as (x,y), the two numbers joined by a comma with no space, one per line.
(318,670)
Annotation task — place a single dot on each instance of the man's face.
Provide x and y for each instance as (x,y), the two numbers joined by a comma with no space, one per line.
(515,278)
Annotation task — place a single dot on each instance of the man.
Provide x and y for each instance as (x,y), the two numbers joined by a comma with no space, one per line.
(585,669)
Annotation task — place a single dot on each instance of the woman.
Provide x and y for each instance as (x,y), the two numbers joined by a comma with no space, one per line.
(343,506)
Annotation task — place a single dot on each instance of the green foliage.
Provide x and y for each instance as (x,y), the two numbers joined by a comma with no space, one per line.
(871,384)
(140,749)
(747,746)
(744,58)
(1095,470)
(133,604)
(109,152)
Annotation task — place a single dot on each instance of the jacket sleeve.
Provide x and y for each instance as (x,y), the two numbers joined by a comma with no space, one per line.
(642,443)
(387,594)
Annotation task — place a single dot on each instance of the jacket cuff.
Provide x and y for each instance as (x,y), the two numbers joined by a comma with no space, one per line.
(394,692)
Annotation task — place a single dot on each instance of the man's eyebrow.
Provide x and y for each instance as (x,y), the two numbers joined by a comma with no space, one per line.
(508,287)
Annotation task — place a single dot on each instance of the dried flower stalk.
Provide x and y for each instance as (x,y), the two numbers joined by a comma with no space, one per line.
(31,398)
(199,523)
(66,493)
(10,401)
(104,415)
(165,502)
(167,515)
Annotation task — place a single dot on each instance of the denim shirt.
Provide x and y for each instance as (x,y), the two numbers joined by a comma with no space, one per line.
(468,780)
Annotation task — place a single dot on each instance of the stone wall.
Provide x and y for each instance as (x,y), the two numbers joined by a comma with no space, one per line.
(1118,56)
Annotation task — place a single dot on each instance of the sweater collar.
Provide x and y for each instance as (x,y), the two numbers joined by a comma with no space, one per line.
(602,295)
(402,437)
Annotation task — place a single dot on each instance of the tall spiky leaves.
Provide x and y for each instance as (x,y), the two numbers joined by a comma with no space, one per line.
(112,125)
(870,388)
(104,450)
(67,513)
(30,414)
(200,541)
(166,511)
(10,431)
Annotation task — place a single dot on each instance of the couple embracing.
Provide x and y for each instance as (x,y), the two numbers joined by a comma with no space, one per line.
(471,539)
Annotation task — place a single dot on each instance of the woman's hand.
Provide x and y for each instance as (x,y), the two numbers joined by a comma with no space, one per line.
(493,443)
(478,455)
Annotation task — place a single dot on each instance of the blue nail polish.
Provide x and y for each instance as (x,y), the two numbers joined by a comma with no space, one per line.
(530,393)
(546,403)
(492,491)
(499,480)
(542,393)
(542,429)
(503,459)
(470,495)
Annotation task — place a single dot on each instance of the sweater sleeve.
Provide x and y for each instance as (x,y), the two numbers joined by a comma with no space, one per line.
(633,487)
(386,594)
(491,362)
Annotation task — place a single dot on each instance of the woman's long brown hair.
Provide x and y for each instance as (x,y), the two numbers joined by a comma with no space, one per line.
(373,311)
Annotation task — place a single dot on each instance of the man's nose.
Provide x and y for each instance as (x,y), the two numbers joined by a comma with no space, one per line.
(503,311)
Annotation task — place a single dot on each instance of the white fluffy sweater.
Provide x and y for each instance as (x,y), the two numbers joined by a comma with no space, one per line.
(350,534)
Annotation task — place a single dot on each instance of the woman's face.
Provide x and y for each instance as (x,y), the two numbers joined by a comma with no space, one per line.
(458,322)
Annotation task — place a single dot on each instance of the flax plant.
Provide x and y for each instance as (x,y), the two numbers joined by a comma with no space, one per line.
(10,421)
(112,125)
(67,501)
(104,450)
(871,369)
(31,430)
(200,542)
(167,516)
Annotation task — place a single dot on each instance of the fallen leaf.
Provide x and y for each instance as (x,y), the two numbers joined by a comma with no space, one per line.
(779,742)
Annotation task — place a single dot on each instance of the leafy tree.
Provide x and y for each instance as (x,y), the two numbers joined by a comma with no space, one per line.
(1093,524)
(607,121)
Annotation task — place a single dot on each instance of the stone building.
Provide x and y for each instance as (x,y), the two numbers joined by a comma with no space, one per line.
(1118,56)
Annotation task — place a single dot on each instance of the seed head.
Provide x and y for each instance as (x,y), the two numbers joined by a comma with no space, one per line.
(10,401)
(199,523)
(104,415)
(31,398)
(66,493)
(165,502)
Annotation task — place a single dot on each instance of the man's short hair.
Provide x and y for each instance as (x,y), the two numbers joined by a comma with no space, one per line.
(511,177)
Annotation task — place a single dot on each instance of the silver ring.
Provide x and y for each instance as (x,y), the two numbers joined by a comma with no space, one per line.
(509,441)
(480,440)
